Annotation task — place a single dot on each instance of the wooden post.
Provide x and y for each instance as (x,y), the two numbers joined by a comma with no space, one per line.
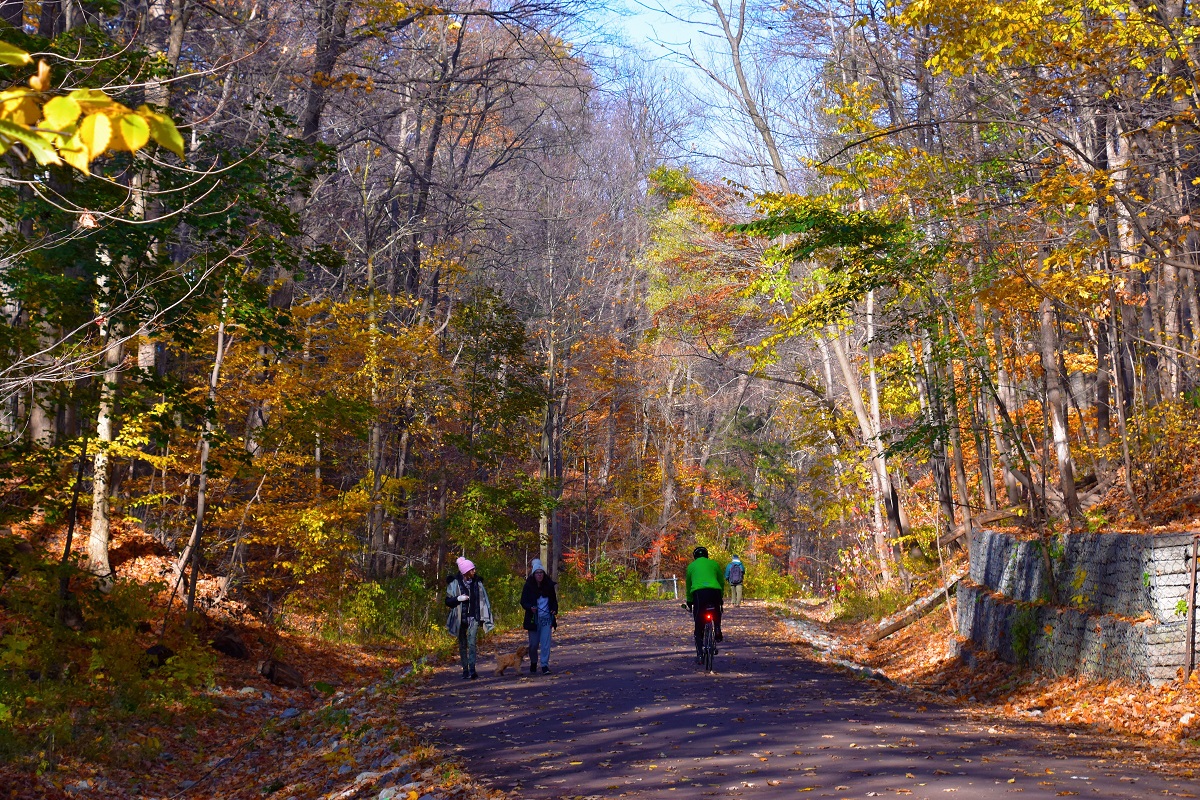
(1190,627)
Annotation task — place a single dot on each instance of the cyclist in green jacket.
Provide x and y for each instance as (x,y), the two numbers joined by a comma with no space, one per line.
(705,589)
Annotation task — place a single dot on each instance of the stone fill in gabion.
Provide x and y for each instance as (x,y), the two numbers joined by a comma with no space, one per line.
(1118,610)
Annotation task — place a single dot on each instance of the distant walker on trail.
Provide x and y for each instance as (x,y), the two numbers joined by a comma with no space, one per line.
(705,590)
(469,609)
(735,573)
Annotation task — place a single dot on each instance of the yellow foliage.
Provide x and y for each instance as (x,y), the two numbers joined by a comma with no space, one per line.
(322,536)
(51,130)
(986,35)
(1080,362)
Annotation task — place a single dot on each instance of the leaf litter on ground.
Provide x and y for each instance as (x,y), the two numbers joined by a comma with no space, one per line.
(1123,721)
(343,738)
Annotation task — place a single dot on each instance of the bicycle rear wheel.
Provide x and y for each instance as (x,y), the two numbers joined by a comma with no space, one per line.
(710,646)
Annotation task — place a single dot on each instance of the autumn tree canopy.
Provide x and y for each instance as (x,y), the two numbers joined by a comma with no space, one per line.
(321,294)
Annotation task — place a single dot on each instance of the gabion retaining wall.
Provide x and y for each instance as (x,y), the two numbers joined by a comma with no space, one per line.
(1119,597)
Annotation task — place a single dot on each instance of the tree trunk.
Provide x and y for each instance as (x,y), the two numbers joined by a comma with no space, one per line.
(981,411)
(610,438)
(1056,404)
(98,540)
(910,614)
(376,535)
(1121,402)
(879,473)
(50,19)
(191,553)
(666,461)
(1006,397)
(64,564)
(332,18)
(178,14)
(716,431)
(547,453)
(1103,395)
(960,472)
(931,396)
(556,533)
(745,94)
(42,420)
(1169,359)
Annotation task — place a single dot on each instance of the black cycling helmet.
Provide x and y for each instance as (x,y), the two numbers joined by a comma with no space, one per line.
(700,552)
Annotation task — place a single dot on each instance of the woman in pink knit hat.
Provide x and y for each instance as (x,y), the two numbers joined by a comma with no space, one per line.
(469,609)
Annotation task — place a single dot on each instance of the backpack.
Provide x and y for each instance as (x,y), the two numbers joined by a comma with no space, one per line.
(736,573)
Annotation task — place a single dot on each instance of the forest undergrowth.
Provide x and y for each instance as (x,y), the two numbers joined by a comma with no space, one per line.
(125,693)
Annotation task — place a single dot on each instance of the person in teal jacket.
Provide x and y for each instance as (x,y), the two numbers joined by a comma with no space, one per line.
(705,589)
(734,578)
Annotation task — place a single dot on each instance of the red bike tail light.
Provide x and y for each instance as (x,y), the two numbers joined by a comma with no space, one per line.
(708,617)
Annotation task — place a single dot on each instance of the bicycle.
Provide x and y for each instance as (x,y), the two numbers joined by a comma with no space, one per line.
(708,647)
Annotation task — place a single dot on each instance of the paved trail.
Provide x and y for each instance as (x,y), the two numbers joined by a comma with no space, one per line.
(627,714)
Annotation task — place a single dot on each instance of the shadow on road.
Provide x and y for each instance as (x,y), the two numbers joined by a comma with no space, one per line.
(627,713)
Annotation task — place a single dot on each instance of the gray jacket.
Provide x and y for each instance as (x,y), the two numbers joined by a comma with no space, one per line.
(458,610)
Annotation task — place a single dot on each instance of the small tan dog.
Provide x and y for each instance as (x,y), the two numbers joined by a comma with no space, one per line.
(512,660)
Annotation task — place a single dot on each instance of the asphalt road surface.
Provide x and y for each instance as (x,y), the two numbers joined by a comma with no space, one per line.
(627,713)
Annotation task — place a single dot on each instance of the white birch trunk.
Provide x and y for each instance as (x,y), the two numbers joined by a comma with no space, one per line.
(100,535)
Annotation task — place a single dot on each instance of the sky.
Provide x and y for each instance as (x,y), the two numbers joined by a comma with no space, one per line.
(720,144)
(642,25)
(642,29)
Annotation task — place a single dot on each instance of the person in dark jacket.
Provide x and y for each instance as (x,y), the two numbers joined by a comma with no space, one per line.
(540,601)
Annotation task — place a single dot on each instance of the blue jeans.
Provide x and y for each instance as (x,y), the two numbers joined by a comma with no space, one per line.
(539,641)
(468,633)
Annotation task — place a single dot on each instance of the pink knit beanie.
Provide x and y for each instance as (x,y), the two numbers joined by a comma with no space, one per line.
(464,565)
